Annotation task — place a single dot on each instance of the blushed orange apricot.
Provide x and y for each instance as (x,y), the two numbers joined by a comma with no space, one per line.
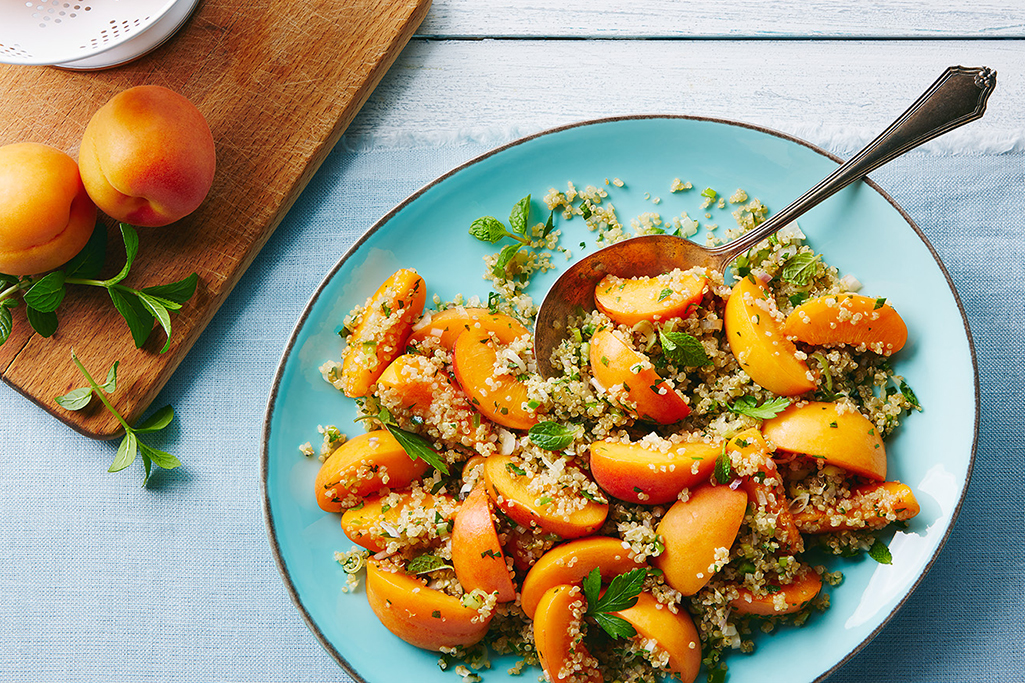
(363,465)
(631,380)
(501,397)
(628,301)
(785,599)
(758,342)
(381,518)
(447,325)
(693,530)
(570,562)
(643,473)
(476,552)
(870,506)
(559,638)
(764,486)
(563,512)
(848,319)
(381,334)
(844,438)
(419,615)
(674,633)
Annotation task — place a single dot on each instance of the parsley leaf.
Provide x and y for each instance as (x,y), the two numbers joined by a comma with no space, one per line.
(621,593)
(880,552)
(552,436)
(800,269)
(682,349)
(747,405)
(615,626)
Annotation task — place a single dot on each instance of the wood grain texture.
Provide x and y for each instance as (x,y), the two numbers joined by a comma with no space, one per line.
(492,90)
(736,19)
(278,82)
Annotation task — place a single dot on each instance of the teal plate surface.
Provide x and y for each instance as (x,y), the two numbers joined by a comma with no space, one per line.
(861,231)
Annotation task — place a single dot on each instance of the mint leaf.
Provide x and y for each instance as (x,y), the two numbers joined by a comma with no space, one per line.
(45,324)
(504,257)
(126,453)
(6,323)
(178,292)
(879,303)
(800,269)
(520,216)
(139,320)
(160,313)
(909,395)
(156,421)
(160,458)
(425,564)
(552,436)
(723,468)
(880,553)
(681,349)
(75,399)
(88,263)
(111,384)
(748,405)
(487,229)
(417,447)
(549,225)
(46,294)
(131,239)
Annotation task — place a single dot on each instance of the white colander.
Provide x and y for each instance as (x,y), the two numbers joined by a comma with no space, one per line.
(86,34)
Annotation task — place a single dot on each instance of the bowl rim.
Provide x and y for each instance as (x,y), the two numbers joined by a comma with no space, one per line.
(286,353)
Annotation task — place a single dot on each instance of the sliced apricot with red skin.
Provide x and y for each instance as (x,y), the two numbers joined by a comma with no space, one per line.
(674,633)
(624,372)
(508,490)
(628,301)
(846,439)
(870,506)
(571,562)
(446,326)
(851,319)
(640,473)
(476,551)
(363,465)
(365,526)
(421,616)
(758,342)
(502,398)
(796,595)
(765,488)
(381,334)
(559,638)
(693,530)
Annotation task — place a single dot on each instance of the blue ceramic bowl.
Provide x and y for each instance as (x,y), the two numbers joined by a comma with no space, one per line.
(861,231)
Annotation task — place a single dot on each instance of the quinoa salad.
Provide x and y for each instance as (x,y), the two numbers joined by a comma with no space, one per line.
(707,442)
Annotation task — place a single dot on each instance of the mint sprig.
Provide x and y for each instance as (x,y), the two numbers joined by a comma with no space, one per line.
(130,447)
(683,350)
(552,436)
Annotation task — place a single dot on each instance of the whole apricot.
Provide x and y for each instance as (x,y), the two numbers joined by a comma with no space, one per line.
(147,156)
(46,217)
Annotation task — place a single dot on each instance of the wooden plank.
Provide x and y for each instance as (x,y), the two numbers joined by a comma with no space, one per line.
(278,82)
(495,90)
(734,19)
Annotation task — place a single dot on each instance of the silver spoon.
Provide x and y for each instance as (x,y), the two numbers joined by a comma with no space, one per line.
(956,98)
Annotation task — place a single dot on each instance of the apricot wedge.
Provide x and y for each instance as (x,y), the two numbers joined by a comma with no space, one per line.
(844,438)
(764,486)
(785,599)
(381,334)
(563,511)
(382,518)
(693,530)
(848,319)
(501,397)
(758,342)
(363,465)
(644,473)
(476,551)
(446,326)
(571,562)
(631,381)
(628,301)
(415,384)
(871,506)
(419,615)
(674,633)
(559,639)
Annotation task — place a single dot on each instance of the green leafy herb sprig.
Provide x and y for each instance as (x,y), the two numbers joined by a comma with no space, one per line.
(621,594)
(552,436)
(748,405)
(683,350)
(415,446)
(490,229)
(43,294)
(130,447)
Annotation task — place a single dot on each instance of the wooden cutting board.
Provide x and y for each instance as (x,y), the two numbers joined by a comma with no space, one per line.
(278,81)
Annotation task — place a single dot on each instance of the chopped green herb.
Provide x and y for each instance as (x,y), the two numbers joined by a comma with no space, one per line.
(425,564)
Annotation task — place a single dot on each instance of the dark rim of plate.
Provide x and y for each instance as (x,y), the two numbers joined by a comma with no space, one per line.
(272,399)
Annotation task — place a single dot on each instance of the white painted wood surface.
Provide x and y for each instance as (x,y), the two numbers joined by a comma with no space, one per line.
(927,19)
(498,89)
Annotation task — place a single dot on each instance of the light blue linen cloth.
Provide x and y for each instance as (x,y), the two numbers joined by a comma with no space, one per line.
(102,580)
